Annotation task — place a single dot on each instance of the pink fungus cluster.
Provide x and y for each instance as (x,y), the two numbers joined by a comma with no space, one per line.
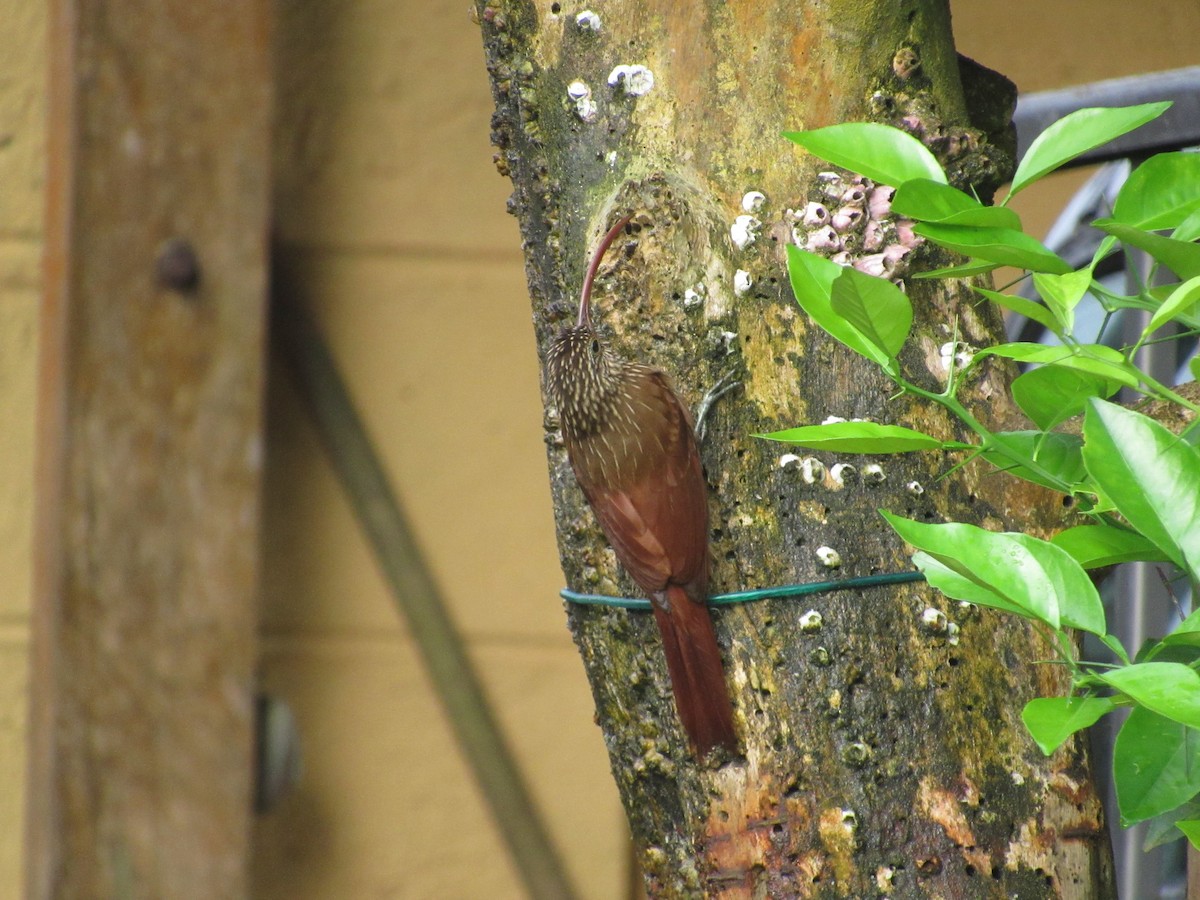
(853,225)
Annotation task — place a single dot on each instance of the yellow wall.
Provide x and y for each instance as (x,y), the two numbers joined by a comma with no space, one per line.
(22,174)
(388,203)
(390,208)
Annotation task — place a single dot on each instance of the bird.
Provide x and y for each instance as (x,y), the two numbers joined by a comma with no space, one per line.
(632,446)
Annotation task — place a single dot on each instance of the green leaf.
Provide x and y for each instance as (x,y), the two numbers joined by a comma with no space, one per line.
(1079,603)
(1027,308)
(1191,831)
(884,154)
(1151,475)
(1181,257)
(1062,293)
(1180,638)
(1093,546)
(1160,193)
(875,307)
(1189,228)
(1191,828)
(933,201)
(1191,623)
(1186,634)
(1051,720)
(959,587)
(1052,394)
(812,279)
(856,437)
(966,270)
(1024,572)
(1168,688)
(1077,133)
(1095,358)
(1181,300)
(1156,764)
(1004,246)
(1054,460)
(1162,829)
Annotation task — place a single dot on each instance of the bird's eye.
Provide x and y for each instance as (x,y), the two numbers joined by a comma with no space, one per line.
(595,347)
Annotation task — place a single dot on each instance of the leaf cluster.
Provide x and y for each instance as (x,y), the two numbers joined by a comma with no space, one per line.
(1138,482)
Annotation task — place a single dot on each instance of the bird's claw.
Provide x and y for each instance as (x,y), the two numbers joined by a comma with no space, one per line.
(724,385)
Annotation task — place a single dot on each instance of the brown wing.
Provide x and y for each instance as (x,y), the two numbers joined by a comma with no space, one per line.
(655,512)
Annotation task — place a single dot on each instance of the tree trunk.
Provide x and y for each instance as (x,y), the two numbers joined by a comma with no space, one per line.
(884,752)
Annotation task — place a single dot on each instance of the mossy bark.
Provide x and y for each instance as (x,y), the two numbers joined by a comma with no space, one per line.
(882,756)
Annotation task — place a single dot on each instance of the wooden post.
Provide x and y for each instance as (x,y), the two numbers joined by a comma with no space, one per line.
(149,449)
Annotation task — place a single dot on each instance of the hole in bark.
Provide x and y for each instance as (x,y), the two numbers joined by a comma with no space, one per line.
(953,661)
(777,828)
(996,872)
(555,8)
(970,870)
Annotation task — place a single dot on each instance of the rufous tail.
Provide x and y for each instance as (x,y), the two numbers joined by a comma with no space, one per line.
(697,677)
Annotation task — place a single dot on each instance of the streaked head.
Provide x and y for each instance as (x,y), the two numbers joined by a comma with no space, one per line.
(582,371)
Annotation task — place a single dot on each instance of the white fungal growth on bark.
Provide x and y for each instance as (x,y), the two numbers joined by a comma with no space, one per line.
(587,21)
(956,354)
(873,473)
(635,80)
(741,281)
(752,202)
(581,95)
(812,470)
(743,231)
(829,557)
(842,472)
(934,620)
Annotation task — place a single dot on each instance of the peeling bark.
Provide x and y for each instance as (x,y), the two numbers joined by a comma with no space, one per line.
(882,756)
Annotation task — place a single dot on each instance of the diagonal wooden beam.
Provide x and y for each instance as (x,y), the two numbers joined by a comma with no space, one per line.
(149,452)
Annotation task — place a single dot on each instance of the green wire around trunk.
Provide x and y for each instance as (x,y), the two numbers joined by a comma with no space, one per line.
(787,590)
